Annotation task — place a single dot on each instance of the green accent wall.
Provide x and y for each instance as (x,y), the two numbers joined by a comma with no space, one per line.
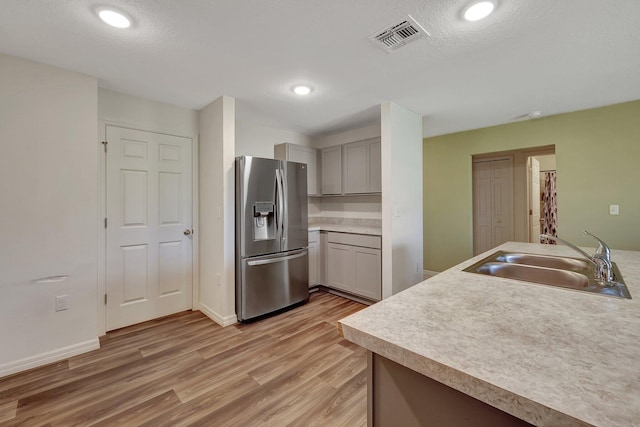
(597,161)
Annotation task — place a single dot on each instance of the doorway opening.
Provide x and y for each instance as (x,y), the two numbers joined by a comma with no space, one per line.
(543,208)
(510,200)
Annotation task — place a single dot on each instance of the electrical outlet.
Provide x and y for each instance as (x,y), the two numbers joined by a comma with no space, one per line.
(614,209)
(62,302)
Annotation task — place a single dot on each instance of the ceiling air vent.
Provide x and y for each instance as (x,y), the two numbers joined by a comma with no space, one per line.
(398,35)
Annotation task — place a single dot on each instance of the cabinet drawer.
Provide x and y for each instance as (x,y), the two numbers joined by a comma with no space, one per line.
(363,240)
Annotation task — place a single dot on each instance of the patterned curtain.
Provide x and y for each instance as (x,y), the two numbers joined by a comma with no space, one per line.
(549,208)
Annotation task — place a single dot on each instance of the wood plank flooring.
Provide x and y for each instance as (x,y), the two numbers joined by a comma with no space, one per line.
(184,370)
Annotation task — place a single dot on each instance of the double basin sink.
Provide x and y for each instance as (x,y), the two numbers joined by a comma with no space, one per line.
(565,272)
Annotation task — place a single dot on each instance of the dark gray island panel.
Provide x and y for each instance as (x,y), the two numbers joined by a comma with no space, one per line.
(399,396)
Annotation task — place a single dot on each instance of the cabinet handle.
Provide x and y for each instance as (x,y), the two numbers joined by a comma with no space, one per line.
(52,279)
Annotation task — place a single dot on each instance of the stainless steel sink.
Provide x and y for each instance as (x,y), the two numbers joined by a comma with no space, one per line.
(565,272)
(547,276)
(563,263)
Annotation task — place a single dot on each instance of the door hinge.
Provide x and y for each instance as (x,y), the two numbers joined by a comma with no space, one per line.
(104,144)
(105,223)
(105,299)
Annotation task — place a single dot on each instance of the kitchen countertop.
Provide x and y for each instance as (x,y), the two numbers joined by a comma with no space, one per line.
(347,228)
(550,356)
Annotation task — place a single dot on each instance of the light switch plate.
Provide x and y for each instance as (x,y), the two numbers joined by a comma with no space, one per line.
(614,209)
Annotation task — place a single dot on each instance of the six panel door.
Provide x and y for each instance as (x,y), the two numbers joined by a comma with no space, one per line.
(148,237)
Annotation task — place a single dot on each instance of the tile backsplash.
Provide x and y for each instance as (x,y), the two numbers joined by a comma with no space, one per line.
(357,222)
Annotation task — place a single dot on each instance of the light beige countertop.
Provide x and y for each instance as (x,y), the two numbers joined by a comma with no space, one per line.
(550,356)
(340,228)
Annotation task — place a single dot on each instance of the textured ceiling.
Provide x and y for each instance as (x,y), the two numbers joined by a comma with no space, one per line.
(549,55)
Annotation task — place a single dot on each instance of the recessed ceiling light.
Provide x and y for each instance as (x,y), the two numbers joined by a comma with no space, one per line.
(478,10)
(301,90)
(115,19)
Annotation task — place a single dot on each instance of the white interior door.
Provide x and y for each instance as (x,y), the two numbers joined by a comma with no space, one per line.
(534,200)
(148,236)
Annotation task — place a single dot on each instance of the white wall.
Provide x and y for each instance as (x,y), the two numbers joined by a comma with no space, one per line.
(256,140)
(401,198)
(217,222)
(145,114)
(49,219)
(139,113)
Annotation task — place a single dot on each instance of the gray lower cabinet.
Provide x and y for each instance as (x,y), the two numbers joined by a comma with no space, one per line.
(367,266)
(339,267)
(354,264)
(314,258)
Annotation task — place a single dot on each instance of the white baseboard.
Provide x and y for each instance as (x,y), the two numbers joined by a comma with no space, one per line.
(426,274)
(220,320)
(48,357)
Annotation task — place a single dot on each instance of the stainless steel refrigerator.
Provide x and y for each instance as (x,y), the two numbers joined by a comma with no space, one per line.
(271,236)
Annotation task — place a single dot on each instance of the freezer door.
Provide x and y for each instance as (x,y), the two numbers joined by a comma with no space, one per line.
(258,214)
(269,283)
(295,232)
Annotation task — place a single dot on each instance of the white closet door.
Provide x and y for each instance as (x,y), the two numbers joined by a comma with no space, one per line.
(492,204)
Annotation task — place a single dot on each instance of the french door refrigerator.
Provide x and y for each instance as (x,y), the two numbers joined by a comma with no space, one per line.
(271,236)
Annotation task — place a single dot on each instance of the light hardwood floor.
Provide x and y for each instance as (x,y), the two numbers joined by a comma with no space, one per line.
(289,370)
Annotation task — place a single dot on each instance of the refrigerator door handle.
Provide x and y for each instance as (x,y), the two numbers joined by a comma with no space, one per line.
(285,208)
(274,260)
(280,202)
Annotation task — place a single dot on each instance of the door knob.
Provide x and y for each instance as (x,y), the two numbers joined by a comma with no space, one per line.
(186,232)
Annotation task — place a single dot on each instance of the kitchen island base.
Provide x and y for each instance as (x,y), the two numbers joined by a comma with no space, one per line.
(399,396)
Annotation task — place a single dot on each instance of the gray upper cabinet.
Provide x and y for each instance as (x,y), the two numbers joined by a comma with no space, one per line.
(374,184)
(355,167)
(362,167)
(301,154)
(332,170)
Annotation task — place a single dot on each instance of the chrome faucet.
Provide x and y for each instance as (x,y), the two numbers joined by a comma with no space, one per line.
(601,259)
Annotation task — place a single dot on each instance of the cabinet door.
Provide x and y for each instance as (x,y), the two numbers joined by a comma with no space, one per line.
(355,169)
(332,170)
(339,267)
(309,157)
(314,257)
(367,265)
(374,184)
(322,259)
